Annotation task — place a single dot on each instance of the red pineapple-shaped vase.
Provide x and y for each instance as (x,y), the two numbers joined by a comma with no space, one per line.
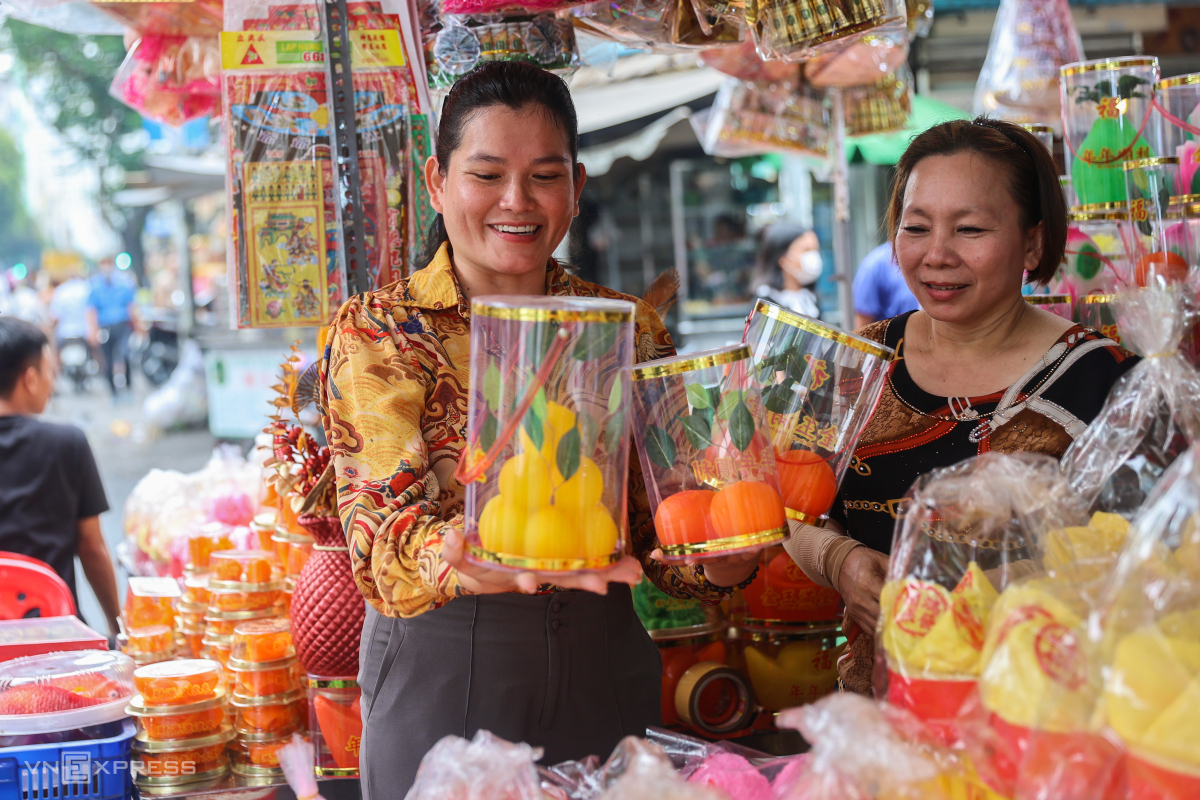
(327,608)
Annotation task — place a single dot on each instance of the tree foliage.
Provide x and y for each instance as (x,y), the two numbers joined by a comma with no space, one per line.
(19,240)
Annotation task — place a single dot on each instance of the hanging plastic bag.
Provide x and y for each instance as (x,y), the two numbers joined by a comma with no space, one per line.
(767,117)
(1031,41)
(464,42)
(866,61)
(662,25)
(1151,415)
(743,62)
(880,107)
(797,30)
(484,768)
(172,79)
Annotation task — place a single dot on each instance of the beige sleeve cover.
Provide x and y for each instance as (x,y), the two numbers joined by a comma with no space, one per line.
(819,552)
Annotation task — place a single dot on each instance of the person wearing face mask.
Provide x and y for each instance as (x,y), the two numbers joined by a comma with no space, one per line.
(450,647)
(976,209)
(788,264)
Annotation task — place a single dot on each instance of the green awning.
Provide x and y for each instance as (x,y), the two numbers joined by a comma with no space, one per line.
(886,148)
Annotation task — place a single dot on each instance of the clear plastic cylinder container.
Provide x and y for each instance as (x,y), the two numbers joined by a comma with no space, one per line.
(546,461)
(1095,259)
(1107,108)
(1179,130)
(821,386)
(1157,233)
(1044,134)
(699,688)
(706,454)
(792,667)
(1060,304)
(798,30)
(335,725)
(1096,311)
(782,596)
(150,601)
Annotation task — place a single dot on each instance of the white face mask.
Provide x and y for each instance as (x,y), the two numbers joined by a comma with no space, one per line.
(807,269)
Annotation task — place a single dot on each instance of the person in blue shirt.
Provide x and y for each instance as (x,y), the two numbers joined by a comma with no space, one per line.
(879,289)
(111,317)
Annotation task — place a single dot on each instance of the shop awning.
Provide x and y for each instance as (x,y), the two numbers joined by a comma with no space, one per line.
(886,148)
(613,103)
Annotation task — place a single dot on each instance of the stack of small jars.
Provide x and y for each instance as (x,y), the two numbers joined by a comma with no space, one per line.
(182,723)
(267,700)
(242,587)
(292,549)
(193,606)
(148,619)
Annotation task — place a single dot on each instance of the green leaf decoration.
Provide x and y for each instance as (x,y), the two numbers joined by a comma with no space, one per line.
(741,426)
(728,403)
(567,457)
(597,340)
(538,341)
(534,427)
(698,430)
(697,396)
(780,398)
(714,398)
(797,368)
(614,430)
(539,403)
(487,431)
(660,447)
(1087,262)
(589,431)
(491,385)
(615,396)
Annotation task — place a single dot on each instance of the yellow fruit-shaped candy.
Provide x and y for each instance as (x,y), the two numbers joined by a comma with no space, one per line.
(599,532)
(1175,733)
(559,420)
(1149,672)
(502,526)
(582,490)
(552,534)
(525,481)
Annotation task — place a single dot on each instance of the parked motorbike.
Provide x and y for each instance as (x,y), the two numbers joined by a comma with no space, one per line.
(78,363)
(157,350)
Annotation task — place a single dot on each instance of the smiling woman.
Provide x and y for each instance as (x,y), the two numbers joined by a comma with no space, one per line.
(451,647)
(976,209)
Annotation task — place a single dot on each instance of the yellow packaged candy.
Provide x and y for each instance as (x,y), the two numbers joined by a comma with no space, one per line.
(1151,674)
(952,643)
(1086,552)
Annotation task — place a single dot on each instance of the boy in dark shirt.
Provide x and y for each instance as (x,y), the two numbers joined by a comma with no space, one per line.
(51,497)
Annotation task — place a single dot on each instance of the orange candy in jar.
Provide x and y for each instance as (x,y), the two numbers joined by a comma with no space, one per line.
(299,550)
(258,755)
(265,679)
(278,714)
(182,760)
(151,645)
(217,648)
(231,599)
(177,682)
(202,543)
(244,566)
(150,601)
(263,640)
(179,722)
(195,589)
(193,641)
(263,526)
(224,623)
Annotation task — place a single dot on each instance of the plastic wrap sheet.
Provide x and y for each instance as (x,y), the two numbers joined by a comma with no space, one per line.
(743,62)
(196,18)
(1151,415)
(637,770)
(797,30)
(507,7)
(661,25)
(484,768)
(457,44)
(285,261)
(869,60)
(969,531)
(1148,637)
(879,107)
(756,116)
(920,16)
(172,79)
(1031,40)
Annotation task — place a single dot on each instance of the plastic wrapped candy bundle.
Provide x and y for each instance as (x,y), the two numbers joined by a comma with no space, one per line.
(1150,415)
(507,7)
(865,61)
(822,386)
(661,24)
(1031,40)
(797,30)
(970,531)
(761,117)
(1158,236)
(920,16)
(743,62)
(1149,636)
(879,107)
(710,470)
(465,42)
(171,79)
(1106,111)
(484,768)
(545,466)
(187,18)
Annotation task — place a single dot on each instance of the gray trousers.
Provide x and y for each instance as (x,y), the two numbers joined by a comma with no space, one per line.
(571,672)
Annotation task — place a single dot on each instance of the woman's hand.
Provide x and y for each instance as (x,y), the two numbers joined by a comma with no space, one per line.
(723,571)
(860,582)
(478,579)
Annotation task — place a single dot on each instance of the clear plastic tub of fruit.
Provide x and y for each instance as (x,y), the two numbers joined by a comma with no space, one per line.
(177,682)
(263,679)
(284,606)
(235,597)
(546,462)
(782,595)
(193,638)
(203,542)
(794,666)
(64,691)
(188,721)
(257,755)
(335,725)
(183,759)
(706,453)
(300,549)
(150,601)
(150,645)
(1159,245)
(195,589)
(263,640)
(1096,260)
(224,623)
(1107,108)
(190,613)
(798,30)
(263,526)
(217,648)
(279,544)
(242,566)
(1060,304)
(821,386)
(279,713)
(1177,101)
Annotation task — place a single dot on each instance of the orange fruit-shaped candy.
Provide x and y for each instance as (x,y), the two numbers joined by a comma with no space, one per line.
(257,570)
(747,507)
(1166,265)
(228,569)
(807,481)
(683,518)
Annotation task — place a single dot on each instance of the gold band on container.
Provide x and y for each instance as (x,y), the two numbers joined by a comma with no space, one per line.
(1096,216)
(1191,209)
(1089,208)
(1184,199)
(332,683)
(150,781)
(1036,127)
(1179,80)
(1156,161)
(772,311)
(807,519)
(1098,298)
(549,314)
(787,628)
(699,677)
(728,543)
(1107,64)
(1047,299)
(544,564)
(255,771)
(335,772)
(676,367)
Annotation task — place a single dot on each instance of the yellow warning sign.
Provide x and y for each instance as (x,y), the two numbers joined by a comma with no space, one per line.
(303,49)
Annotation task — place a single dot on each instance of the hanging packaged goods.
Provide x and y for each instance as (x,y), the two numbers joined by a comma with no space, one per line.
(170,79)
(751,117)
(881,107)
(188,18)
(459,44)
(797,30)
(662,25)
(286,259)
